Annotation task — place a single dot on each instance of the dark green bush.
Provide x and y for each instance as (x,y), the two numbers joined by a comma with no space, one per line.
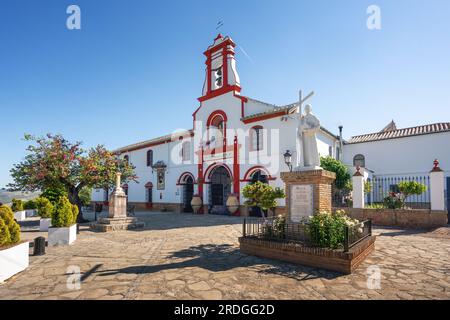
(17,205)
(63,213)
(44,207)
(30,205)
(53,194)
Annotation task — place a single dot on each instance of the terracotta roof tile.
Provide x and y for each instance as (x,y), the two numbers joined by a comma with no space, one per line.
(402,133)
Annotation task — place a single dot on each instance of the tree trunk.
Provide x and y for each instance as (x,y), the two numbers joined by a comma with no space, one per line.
(75,199)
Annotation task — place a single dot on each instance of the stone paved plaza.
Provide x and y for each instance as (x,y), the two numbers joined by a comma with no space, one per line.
(183,256)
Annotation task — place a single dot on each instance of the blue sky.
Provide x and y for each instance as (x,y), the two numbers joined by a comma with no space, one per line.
(136,68)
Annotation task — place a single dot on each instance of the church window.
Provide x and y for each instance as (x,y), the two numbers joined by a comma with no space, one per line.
(359,161)
(186,151)
(149,158)
(257,139)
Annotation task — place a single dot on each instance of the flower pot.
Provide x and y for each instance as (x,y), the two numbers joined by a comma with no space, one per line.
(45,224)
(196,203)
(14,260)
(232,203)
(20,215)
(62,236)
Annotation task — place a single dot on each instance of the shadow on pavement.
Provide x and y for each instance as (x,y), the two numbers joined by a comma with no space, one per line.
(216,258)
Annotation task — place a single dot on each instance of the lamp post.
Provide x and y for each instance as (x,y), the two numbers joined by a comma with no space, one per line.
(288,159)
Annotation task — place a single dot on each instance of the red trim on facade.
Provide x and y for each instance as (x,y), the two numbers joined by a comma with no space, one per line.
(214,93)
(236,172)
(252,170)
(183,176)
(266,116)
(215,165)
(200,179)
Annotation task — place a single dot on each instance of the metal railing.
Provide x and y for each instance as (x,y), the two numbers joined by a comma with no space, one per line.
(300,233)
(381,187)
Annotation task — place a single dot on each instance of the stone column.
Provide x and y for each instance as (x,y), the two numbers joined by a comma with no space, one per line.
(437,188)
(358,190)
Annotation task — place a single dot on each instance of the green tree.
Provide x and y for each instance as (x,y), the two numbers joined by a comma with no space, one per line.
(343,179)
(262,195)
(85,196)
(409,188)
(53,193)
(52,161)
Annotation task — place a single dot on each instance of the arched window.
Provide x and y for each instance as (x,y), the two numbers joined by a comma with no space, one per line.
(217,125)
(359,161)
(186,151)
(149,158)
(127,159)
(256,138)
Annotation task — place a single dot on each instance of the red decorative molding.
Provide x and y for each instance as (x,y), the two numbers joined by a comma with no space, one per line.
(215,165)
(183,176)
(247,176)
(266,116)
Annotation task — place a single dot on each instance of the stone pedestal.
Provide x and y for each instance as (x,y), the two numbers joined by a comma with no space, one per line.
(117,217)
(307,193)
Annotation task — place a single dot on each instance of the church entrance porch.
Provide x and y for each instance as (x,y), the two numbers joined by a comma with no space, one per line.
(220,189)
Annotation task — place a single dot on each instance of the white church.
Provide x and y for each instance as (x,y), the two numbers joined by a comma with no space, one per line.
(236,140)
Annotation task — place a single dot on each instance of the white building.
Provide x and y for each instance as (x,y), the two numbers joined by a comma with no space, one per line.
(236,139)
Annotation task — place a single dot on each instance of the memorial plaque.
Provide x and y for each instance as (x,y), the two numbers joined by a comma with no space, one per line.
(301,202)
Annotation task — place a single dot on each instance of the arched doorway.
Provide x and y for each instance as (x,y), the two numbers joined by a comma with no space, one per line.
(260,176)
(220,188)
(188,193)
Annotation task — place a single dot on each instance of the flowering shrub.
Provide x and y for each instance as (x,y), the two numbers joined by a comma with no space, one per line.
(393,201)
(328,230)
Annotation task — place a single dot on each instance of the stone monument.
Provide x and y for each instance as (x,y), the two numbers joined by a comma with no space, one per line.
(117,216)
(308,186)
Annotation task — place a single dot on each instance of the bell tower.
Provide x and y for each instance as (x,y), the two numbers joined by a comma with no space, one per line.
(221,74)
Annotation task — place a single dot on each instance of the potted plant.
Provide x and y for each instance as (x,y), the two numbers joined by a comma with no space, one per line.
(196,203)
(64,228)
(262,195)
(45,209)
(17,208)
(13,253)
(233,203)
(30,208)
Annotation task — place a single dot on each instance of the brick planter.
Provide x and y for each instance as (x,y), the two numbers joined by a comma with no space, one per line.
(417,218)
(328,259)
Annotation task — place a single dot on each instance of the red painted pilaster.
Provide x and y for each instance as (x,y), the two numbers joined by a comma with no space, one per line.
(236,172)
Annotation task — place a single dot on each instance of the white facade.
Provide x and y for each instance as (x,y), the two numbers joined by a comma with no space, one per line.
(224,135)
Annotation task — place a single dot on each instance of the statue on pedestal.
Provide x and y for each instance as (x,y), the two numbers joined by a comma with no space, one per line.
(307,151)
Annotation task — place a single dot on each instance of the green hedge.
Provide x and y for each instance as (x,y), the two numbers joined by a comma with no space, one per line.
(9,229)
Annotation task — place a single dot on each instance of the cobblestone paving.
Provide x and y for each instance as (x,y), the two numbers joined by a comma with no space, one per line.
(182,256)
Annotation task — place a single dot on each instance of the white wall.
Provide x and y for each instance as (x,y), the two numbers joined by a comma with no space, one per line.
(410,155)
